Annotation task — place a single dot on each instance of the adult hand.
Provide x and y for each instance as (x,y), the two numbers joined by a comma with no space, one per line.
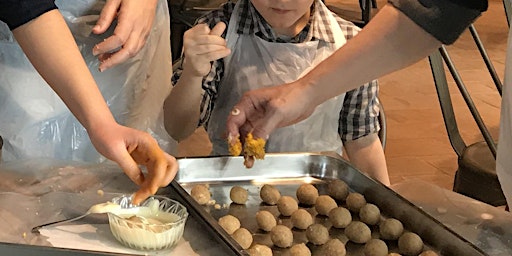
(201,46)
(134,23)
(131,148)
(264,110)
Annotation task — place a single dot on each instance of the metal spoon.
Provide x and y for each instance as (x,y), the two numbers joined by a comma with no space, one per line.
(123,202)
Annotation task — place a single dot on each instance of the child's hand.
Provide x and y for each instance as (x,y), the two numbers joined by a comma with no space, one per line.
(202,46)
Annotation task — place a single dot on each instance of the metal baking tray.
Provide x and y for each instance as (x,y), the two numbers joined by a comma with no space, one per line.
(287,172)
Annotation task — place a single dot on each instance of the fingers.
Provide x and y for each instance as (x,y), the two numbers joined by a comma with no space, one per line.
(218,29)
(130,167)
(107,15)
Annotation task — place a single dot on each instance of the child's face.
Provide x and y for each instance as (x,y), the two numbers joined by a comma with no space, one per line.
(287,17)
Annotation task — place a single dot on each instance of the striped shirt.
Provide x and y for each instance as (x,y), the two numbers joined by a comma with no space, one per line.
(359,114)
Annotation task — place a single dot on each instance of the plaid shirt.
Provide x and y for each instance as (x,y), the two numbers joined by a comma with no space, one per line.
(359,114)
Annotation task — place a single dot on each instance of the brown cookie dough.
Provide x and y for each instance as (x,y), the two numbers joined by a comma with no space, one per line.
(338,189)
(429,253)
(369,214)
(355,201)
(317,234)
(375,247)
(300,250)
(307,194)
(281,236)
(265,220)
(269,194)
(333,247)
(229,223)
(340,217)
(390,229)
(259,250)
(301,219)
(201,194)
(243,237)
(358,232)
(410,244)
(287,205)
(238,195)
(324,204)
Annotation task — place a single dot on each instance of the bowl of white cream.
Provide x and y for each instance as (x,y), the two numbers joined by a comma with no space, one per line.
(157,223)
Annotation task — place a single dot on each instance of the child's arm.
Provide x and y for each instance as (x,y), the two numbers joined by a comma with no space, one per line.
(367,155)
(201,46)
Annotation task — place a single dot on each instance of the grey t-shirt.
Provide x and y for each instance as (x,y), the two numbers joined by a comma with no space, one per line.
(443,19)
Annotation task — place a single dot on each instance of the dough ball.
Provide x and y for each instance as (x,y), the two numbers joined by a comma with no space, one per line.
(301,219)
(324,204)
(340,217)
(333,247)
(358,232)
(300,250)
(375,247)
(243,237)
(281,236)
(338,189)
(410,244)
(287,205)
(317,234)
(369,214)
(238,195)
(269,194)
(429,253)
(265,220)
(260,250)
(394,254)
(355,201)
(390,229)
(201,194)
(229,223)
(307,194)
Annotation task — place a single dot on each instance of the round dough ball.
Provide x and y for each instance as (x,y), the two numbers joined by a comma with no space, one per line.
(300,250)
(394,254)
(324,204)
(410,244)
(238,195)
(338,189)
(429,253)
(333,247)
(369,214)
(307,194)
(358,232)
(317,234)
(301,219)
(375,247)
(390,229)
(265,220)
(260,250)
(281,236)
(355,201)
(340,217)
(201,194)
(229,223)
(243,237)
(287,205)
(269,194)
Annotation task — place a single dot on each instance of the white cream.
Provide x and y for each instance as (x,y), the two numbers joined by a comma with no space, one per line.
(104,208)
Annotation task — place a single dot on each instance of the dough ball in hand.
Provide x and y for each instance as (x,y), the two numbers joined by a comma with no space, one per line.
(358,232)
(300,250)
(317,234)
(301,219)
(243,237)
(201,194)
(324,204)
(340,217)
(338,189)
(269,194)
(287,205)
(229,223)
(259,250)
(333,247)
(307,194)
(410,244)
(355,201)
(390,229)
(375,247)
(265,220)
(369,214)
(238,195)
(281,236)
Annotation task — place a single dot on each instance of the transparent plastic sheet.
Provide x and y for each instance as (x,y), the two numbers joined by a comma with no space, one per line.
(36,123)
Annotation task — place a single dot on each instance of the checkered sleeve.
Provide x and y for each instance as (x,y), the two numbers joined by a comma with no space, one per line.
(212,80)
(360,111)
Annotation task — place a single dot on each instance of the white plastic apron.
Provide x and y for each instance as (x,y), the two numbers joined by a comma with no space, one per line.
(34,122)
(504,156)
(255,63)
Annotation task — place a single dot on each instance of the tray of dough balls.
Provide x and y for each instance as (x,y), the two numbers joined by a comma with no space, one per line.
(310,204)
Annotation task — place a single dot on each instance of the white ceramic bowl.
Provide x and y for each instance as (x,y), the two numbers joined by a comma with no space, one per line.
(159,223)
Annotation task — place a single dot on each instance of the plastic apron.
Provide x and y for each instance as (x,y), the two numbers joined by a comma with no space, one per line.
(504,156)
(255,63)
(34,122)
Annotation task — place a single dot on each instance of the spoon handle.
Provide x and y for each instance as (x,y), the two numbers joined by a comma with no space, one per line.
(36,229)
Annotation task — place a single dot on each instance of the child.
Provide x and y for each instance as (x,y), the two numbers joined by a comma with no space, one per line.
(267,43)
